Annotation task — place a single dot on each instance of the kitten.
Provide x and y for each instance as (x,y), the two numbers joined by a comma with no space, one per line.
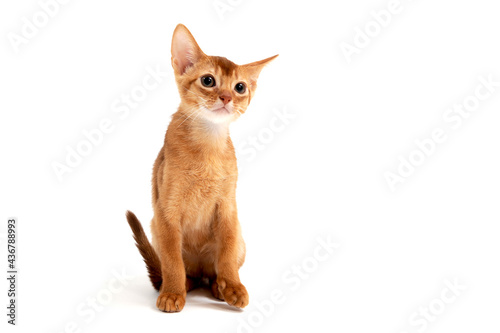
(195,228)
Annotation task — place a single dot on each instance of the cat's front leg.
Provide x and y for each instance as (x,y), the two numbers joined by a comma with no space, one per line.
(172,296)
(230,256)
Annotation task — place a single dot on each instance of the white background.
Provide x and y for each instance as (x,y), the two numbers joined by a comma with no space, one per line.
(322,175)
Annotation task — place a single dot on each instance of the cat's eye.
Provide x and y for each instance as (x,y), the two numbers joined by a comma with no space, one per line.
(240,88)
(208,81)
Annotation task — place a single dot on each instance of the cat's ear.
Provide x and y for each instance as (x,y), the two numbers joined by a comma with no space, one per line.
(185,50)
(253,69)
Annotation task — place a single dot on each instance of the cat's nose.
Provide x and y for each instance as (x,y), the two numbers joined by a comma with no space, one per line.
(226,98)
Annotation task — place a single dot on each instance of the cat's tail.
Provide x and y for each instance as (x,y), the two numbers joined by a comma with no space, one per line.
(151,259)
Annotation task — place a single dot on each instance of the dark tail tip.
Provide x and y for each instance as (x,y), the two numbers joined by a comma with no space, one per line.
(134,223)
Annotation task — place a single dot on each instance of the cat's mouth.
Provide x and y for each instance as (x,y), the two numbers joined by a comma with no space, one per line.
(221,110)
(219,114)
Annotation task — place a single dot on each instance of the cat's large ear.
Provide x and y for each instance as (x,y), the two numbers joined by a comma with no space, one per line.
(185,50)
(253,69)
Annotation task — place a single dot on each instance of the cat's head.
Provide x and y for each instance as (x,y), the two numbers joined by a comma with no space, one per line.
(210,87)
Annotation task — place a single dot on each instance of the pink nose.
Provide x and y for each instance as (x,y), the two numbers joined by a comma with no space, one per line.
(226,98)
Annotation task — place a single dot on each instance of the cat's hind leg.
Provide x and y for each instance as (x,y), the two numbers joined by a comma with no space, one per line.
(214,287)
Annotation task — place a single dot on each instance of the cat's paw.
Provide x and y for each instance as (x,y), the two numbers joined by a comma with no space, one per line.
(215,291)
(169,302)
(234,294)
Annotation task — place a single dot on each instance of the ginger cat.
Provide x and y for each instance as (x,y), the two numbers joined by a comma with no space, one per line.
(195,228)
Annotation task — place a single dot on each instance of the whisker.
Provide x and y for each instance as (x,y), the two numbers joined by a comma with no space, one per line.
(188,116)
(197,116)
